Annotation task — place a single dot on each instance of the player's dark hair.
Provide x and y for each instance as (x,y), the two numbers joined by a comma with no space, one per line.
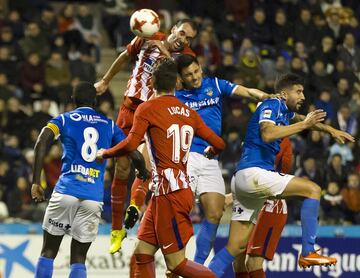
(287,80)
(84,94)
(185,60)
(164,75)
(189,21)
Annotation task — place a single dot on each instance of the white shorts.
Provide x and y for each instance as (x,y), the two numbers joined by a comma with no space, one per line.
(67,214)
(251,187)
(205,174)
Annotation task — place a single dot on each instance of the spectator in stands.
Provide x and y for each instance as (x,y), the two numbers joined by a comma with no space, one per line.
(345,151)
(325,103)
(350,53)
(341,94)
(83,68)
(17,25)
(21,204)
(297,66)
(351,195)
(333,20)
(32,78)
(249,69)
(304,29)
(3,118)
(282,31)
(48,23)
(57,78)
(345,121)
(35,41)
(321,29)
(11,150)
(86,23)
(16,117)
(5,89)
(342,72)
(318,79)
(336,171)
(333,205)
(226,70)
(207,48)
(326,53)
(258,30)
(231,155)
(8,66)
(310,171)
(315,147)
(40,118)
(7,40)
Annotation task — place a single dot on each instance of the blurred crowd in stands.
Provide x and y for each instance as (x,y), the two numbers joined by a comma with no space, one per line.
(46,47)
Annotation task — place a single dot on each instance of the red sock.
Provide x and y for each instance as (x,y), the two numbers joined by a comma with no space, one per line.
(139,189)
(118,197)
(132,266)
(242,275)
(189,269)
(257,274)
(145,266)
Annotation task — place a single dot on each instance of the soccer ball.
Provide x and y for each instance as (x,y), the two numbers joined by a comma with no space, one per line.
(144,23)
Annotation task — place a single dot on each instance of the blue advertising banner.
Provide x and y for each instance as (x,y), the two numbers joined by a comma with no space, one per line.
(284,264)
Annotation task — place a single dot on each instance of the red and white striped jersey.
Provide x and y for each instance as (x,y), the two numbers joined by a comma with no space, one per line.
(139,84)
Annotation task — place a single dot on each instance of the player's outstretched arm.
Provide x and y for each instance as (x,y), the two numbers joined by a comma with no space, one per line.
(42,146)
(102,85)
(338,135)
(271,132)
(252,94)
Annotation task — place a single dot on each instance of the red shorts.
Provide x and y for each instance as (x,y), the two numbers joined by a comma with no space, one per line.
(267,231)
(166,222)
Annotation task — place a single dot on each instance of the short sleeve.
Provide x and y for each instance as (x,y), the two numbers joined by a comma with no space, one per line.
(134,47)
(118,135)
(225,87)
(268,111)
(56,125)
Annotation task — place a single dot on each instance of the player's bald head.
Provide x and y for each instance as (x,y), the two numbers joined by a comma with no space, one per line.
(164,76)
(84,94)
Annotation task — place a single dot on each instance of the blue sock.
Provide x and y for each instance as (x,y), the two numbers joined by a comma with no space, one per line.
(44,268)
(221,262)
(204,241)
(309,223)
(78,271)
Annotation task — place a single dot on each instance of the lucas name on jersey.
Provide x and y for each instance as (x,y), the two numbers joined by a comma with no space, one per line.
(87,174)
(196,105)
(176,110)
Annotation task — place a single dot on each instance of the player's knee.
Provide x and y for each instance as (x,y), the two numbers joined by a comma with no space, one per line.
(122,169)
(48,253)
(254,263)
(214,215)
(236,247)
(314,191)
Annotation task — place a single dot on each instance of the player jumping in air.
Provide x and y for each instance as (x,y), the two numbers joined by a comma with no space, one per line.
(139,89)
(169,126)
(255,179)
(76,203)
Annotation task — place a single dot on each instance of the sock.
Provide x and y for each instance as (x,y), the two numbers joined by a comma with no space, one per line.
(309,223)
(221,262)
(242,275)
(44,268)
(77,271)
(139,189)
(145,266)
(204,241)
(118,197)
(132,266)
(191,269)
(259,273)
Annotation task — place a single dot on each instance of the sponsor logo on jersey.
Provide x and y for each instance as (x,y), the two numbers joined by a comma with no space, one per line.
(149,65)
(267,114)
(201,103)
(88,174)
(87,118)
(209,92)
